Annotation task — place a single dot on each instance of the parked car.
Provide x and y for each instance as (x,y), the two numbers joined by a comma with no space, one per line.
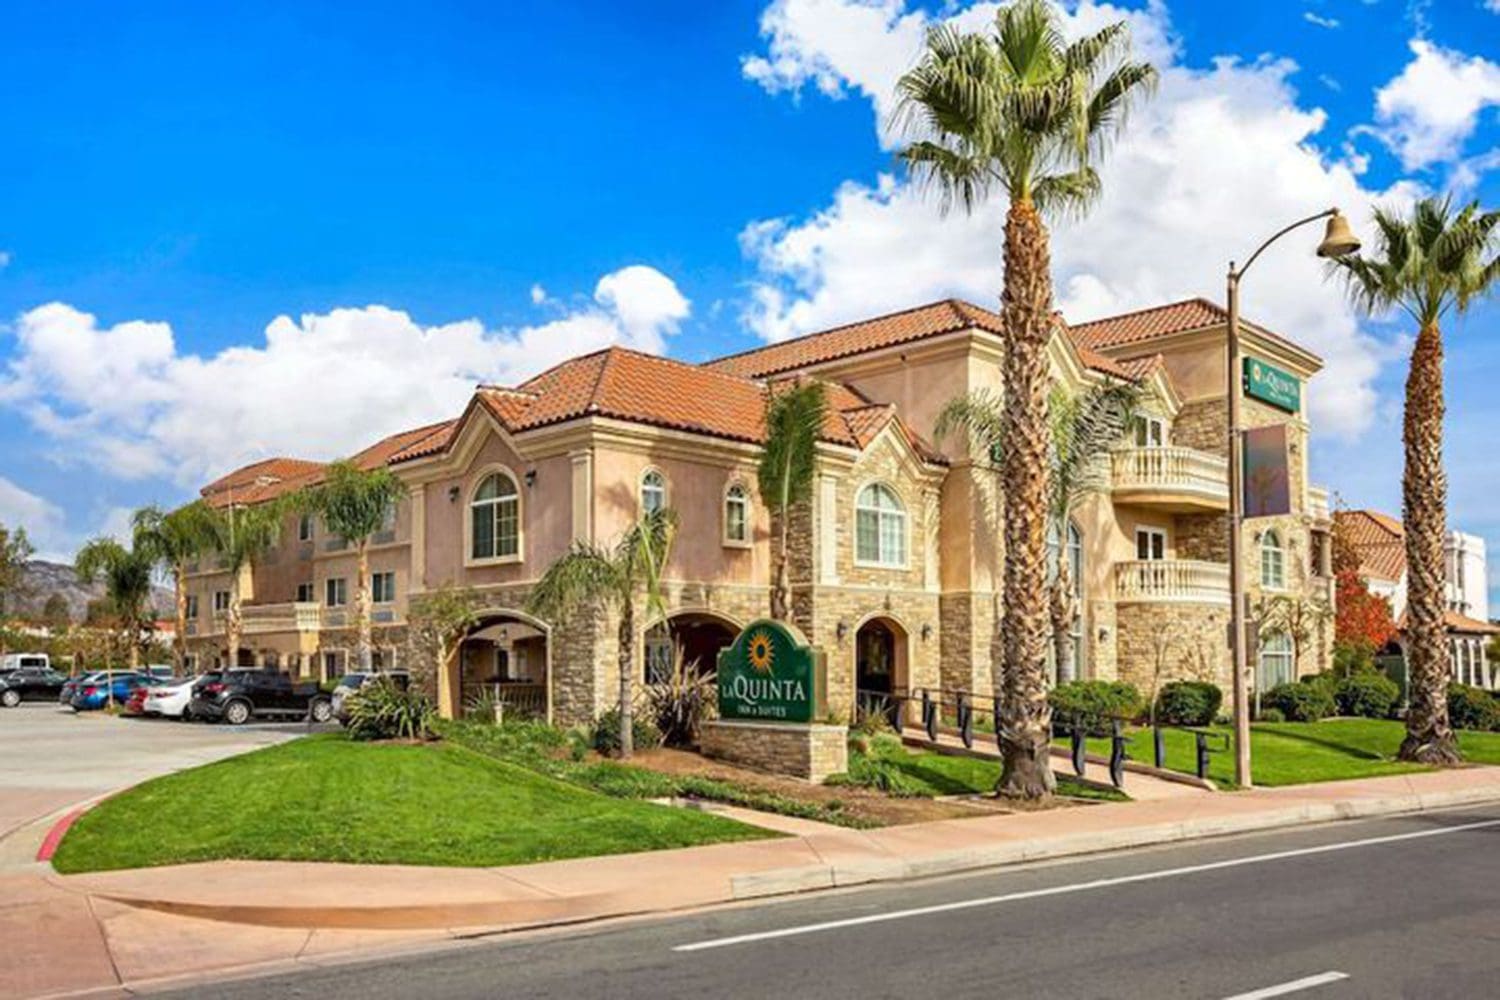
(30,684)
(65,696)
(171,699)
(98,691)
(159,671)
(135,701)
(24,661)
(238,696)
(350,683)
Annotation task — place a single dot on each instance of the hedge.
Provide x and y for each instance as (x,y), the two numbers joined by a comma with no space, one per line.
(1301,701)
(1472,708)
(1188,703)
(1094,704)
(1367,694)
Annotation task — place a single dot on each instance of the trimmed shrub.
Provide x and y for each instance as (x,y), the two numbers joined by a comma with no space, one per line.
(1472,708)
(381,711)
(1271,715)
(1094,704)
(1188,703)
(1301,701)
(606,733)
(1352,658)
(1371,695)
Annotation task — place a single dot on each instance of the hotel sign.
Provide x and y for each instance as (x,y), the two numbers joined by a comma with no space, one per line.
(1269,384)
(767,674)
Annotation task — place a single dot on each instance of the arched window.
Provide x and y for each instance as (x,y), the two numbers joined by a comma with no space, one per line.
(736,515)
(1277,665)
(495,531)
(653,492)
(879,527)
(1272,562)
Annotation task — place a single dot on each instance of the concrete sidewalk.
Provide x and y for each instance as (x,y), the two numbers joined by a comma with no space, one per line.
(124,929)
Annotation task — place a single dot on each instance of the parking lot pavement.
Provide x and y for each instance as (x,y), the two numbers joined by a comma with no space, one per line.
(52,760)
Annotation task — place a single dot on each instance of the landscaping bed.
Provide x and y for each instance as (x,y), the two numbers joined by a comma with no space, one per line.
(327,798)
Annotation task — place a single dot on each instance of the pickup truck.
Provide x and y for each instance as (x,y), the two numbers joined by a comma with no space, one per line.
(238,696)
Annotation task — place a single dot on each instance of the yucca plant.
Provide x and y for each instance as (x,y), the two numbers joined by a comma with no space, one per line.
(679,704)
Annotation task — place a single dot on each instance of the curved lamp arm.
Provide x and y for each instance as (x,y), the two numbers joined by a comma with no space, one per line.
(1236,273)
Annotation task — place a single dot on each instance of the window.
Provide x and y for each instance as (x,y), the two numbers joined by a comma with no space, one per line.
(495,516)
(1150,544)
(383,588)
(305,528)
(737,515)
(387,532)
(333,663)
(305,593)
(1272,562)
(653,492)
(336,592)
(221,601)
(192,605)
(1150,432)
(1276,664)
(879,527)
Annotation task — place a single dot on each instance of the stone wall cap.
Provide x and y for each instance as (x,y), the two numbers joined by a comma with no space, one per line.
(816,727)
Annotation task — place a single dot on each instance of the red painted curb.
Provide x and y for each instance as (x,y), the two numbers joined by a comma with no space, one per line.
(55,835)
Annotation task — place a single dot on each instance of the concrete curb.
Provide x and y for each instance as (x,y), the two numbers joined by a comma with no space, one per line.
(490,916)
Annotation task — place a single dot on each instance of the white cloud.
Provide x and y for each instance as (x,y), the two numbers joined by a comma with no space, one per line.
(42,519)
(1206,170)
(126,400)
(1430,109)
(1320,20)
(538,295)
(5,258)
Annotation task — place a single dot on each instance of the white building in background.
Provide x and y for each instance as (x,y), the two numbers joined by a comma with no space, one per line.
(1381,542)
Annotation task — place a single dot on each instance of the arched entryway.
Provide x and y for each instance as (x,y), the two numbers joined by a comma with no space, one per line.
(507,658)
(880,669)
(694,636)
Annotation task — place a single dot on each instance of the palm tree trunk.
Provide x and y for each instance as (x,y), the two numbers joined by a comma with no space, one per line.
(1062,619)
(233,623)
(362,600)
(179,641)
(626,663)
(1424,487)
(780,599)
(1026,307)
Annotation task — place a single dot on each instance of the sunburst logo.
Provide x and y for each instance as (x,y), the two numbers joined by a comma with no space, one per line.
(761,652)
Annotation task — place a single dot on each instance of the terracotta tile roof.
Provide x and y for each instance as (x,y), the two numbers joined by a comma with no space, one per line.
(436,440)
(1455,622)
(266,470)
(1380,541)
(382,452)
(1160,321)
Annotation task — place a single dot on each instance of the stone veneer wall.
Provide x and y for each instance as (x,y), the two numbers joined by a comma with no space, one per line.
(810,751)
(1161,642)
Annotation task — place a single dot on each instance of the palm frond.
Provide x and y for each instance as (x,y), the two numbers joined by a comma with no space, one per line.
(1068,194)
(586,574)
(794,419)
(977,414)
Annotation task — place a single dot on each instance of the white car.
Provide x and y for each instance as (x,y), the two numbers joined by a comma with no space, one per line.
(170,700)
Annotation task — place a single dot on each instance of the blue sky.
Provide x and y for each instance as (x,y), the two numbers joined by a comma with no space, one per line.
(430,197)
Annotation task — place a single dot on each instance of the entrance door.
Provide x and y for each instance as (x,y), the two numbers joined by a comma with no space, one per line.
(875,670)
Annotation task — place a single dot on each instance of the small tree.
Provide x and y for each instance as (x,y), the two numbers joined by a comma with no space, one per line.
(173,539)
(1361,619)
(794,419)
(590,575)
(15,553)
(354,504)
(436,621)
(126,574)
(56,614)
(1299,617)
(241,535)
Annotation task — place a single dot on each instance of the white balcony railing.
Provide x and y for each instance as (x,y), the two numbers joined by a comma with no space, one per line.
(1172,475)
(259,619)
(1317,503)
(1172,580)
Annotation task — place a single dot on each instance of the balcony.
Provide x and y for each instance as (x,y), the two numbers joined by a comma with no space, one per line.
(261,619)
(1183,581)
(1180,480)
(1317,503)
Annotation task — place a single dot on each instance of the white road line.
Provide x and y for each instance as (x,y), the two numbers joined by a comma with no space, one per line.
(1062,890)
(1295,986)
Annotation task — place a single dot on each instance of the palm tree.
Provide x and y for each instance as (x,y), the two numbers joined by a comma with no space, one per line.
(794,418)
(1085,427)
(355,504)
(241,535)
(126,574)
(1432,262)
(173,539)
(590,574)
(1026,112)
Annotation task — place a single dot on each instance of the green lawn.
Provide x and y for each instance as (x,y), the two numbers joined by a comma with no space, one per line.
(326,798)
(1294,753)
(948,774)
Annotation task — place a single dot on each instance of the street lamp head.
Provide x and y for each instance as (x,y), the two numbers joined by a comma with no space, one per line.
(1338,239)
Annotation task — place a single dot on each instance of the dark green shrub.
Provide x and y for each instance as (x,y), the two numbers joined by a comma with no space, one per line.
(1301,701)
(381,711)
(1093,705)
(680,703)
(606,732)
(1352,658)
(1368,694)
(1271,715)
(1188,703)
(1472,708)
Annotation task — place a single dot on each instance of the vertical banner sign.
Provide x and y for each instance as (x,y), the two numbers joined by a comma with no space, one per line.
(766,674)
(1268,491)
(1269,384)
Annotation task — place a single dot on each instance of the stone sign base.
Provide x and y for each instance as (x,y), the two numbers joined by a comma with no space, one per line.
(799,749)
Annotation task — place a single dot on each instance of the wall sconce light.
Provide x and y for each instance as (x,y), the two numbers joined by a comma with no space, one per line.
(842,630)
(1103,634)
(926,631)
(530,478)
(453,494)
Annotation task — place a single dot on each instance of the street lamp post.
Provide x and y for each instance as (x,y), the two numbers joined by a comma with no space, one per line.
(1338,241)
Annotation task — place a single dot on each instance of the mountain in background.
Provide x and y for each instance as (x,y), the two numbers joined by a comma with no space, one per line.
(42,579)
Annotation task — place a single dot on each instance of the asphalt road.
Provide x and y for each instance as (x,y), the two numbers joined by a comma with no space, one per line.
(1405,907)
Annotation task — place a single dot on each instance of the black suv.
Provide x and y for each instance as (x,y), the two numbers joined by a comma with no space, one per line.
(238,696)
(30,684)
